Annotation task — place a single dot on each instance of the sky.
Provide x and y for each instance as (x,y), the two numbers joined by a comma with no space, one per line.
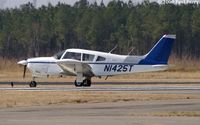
(16,3)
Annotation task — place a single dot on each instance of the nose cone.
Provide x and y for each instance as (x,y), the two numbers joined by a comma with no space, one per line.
(23,62)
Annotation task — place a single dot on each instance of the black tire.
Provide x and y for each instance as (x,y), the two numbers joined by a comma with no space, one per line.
(87,83)
(33,84)
(78,84)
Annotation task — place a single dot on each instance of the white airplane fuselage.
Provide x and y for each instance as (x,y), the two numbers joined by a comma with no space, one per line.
(113,65)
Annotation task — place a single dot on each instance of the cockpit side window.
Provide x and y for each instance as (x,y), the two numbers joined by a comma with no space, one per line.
(59,55)
(88,57)
(72,55)
(100,58)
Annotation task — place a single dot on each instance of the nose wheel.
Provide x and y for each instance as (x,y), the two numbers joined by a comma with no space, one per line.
(33,84)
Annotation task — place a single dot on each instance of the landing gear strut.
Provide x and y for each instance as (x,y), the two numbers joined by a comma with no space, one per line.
(85,83)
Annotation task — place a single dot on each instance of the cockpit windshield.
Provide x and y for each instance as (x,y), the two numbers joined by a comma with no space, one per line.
(59,54)
(72,55)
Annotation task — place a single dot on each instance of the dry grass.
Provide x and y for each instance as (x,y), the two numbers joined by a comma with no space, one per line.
(169,114)
(7,65)
(33,98)
(186,64)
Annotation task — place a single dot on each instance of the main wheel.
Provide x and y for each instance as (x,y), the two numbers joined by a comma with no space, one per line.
(33,84)
(87,83)
(78,84)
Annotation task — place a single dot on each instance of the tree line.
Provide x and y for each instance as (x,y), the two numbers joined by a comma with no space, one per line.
(28,31)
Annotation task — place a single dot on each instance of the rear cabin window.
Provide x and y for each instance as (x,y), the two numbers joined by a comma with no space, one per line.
(72,55)
(99,58)
(88,57)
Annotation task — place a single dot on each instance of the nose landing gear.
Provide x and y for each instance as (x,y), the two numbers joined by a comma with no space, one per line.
(33,84)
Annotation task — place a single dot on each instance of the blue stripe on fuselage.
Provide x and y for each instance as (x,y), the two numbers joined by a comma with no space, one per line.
(43,62)
(97,63)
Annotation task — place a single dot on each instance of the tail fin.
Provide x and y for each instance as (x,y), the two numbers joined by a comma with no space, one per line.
(159,54)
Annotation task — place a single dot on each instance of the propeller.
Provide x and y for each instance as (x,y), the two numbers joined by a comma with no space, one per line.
(24,63)
(24,71)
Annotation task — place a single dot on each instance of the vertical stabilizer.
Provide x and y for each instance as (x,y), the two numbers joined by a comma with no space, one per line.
(159,54)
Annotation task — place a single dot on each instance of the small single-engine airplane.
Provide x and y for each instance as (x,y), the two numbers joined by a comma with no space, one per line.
(85,64)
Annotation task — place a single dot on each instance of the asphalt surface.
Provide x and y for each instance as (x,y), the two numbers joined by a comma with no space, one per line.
(109,88)
(115,113)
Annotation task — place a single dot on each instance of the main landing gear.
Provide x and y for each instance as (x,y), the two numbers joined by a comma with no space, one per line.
(85,83)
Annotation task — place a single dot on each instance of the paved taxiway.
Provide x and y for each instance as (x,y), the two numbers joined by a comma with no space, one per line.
(164,89)
(115,113)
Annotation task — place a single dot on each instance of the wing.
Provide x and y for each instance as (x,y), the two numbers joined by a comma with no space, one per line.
(74,66)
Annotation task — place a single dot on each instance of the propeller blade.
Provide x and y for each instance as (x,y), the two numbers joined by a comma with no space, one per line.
(24,71)
(23,63)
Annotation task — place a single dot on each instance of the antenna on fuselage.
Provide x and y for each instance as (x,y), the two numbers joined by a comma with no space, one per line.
(132,48)
(113,49)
